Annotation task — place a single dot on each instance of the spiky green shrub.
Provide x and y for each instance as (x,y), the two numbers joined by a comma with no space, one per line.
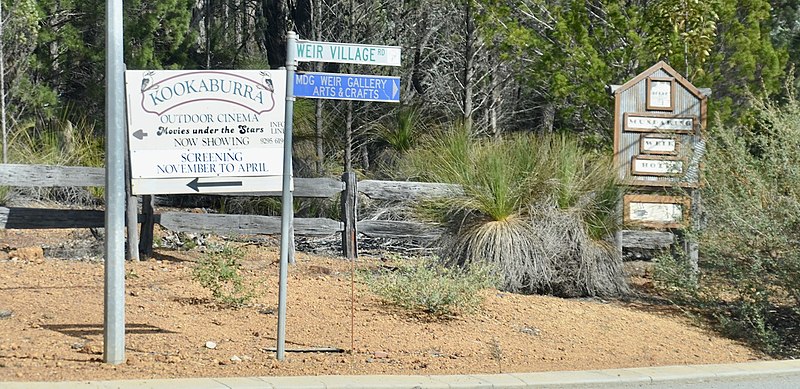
(425,286)
(534,207)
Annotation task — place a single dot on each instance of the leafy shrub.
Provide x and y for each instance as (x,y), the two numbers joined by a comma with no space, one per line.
(425,286)
(536,208)
(750,258)
(218,271)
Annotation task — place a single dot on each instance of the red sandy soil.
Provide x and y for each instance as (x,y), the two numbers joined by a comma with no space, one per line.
(51,318)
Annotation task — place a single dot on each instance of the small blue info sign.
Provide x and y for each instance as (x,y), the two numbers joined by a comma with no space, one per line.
(347,87)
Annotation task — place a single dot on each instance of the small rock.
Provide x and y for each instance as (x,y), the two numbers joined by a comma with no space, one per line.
(211,345)
(247,358)
(167,358)
(5,313)
(235,359)
(530,331)
(380,354)
(91,347)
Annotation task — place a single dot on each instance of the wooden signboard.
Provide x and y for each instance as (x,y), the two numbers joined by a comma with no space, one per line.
(656,211)
(659,119)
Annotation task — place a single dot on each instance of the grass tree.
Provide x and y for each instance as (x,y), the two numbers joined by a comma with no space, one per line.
(536,208)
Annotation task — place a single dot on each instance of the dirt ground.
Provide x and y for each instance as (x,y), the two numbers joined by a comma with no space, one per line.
(51,324)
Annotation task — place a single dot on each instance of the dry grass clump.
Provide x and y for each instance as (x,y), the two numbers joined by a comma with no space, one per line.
(536,208)
(547,251)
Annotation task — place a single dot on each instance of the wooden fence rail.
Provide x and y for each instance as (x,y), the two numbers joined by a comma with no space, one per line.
(349,226)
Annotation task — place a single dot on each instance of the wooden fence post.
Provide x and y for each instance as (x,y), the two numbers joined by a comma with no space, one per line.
(132,219)
(148,222)
(131,216)
(349,216)
(692,246)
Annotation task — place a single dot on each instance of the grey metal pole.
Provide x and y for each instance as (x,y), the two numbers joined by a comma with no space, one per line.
(287,199)
(114,319)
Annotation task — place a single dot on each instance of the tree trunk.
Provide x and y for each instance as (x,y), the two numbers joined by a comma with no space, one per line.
(320,151)
(469,64)
(3,88)
(548,117)
(275,33)
(348,138)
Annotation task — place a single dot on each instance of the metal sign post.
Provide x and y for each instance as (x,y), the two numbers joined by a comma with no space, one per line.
(114,304)
(330,86)
(287,198)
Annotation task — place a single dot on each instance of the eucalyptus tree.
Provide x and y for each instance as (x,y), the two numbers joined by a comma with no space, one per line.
(18,34)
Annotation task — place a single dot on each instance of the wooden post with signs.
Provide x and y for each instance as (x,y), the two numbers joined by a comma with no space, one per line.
(659,124)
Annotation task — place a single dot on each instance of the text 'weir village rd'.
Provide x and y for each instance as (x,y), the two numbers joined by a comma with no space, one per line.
(347,53)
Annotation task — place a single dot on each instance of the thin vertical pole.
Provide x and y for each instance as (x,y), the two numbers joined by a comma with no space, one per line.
(287,198)
(114,329)
(3,88)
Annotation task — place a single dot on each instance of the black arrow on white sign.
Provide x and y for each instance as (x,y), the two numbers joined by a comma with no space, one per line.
(139,134)
(195,185)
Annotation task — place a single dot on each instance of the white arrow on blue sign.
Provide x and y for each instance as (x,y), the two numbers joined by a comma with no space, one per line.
(347,87)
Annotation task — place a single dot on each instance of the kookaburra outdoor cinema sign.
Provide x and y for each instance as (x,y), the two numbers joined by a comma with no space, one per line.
(205,131)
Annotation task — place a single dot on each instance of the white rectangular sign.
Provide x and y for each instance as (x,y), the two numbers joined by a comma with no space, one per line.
(310,51)
(657,145)
(643,123)
(655,213)
(198,126)
(658,167)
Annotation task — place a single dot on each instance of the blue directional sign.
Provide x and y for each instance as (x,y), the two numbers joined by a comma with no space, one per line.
(347,87)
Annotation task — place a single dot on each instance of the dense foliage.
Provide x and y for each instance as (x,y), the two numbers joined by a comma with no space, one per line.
(750,263)
(495,66)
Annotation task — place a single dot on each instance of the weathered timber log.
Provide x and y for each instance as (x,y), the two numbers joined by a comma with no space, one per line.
(406,190)
(50,175)
(649,240)
(244,224)
(148,221)
(34,218)
(399,229)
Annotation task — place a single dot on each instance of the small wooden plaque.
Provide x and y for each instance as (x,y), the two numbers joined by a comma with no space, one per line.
(656,211)
(659,166)
(659,144)
(660,94)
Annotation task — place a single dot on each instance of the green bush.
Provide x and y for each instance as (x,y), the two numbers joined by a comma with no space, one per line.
(750,251)
(218,271)
(535,208)
(425,286)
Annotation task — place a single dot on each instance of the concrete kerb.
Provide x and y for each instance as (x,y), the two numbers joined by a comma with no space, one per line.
(561,379)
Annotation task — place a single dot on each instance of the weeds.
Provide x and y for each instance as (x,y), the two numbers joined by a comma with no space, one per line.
(424,286)
(218,271)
